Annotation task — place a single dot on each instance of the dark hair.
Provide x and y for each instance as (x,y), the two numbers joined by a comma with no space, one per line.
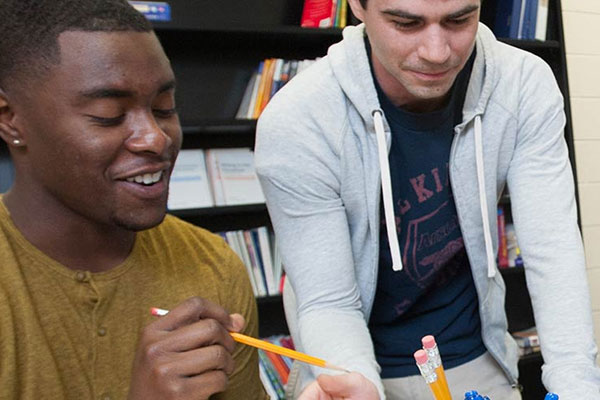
(29,31)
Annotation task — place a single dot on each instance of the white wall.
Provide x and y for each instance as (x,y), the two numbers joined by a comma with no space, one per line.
(582,35)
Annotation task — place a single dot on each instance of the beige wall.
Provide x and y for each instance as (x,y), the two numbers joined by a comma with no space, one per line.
(582,35)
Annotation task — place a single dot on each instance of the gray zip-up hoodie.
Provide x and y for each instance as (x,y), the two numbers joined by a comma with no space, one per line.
(321,155)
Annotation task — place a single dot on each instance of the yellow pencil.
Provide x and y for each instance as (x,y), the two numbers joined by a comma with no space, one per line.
(264,345)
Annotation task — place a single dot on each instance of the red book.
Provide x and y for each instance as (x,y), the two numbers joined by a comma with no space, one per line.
(282,369)
(502,247)
(318,13)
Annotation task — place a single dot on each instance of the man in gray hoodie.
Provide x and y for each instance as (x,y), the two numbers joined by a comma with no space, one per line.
(382,166)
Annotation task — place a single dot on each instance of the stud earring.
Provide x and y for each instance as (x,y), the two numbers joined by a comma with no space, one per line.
(16,142)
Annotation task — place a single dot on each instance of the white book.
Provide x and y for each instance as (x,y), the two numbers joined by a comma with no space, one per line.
(521,19)
(277,263)
(242,112)
(214,177)
(240,250)
(267,258)
(264,378)
(189,186)
(237,177)
(259,279)
(542,20)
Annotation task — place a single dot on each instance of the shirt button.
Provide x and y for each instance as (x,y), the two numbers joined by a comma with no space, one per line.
(80,276)
(102,331)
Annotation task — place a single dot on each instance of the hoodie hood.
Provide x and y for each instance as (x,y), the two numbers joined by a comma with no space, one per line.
(355,79)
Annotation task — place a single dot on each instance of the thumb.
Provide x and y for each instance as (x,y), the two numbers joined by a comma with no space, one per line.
(237,322)
(339,385)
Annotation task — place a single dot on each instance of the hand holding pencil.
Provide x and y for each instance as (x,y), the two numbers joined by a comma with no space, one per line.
(185,354)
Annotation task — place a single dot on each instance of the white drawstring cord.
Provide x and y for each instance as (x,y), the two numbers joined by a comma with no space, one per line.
(386,187)
(491,260)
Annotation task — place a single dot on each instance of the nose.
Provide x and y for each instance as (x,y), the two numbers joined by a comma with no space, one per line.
(148,136)
(435,46)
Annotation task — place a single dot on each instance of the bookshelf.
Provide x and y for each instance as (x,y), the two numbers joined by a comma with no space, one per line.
(215,46)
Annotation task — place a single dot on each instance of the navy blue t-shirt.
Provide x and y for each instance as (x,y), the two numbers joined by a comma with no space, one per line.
(434,293)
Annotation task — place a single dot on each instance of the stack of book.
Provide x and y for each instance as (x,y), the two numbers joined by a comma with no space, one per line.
(527,340)
(275,369)
(214,177)
(521,19)
(509,253)
(270,76)
(324,14)
(258,251)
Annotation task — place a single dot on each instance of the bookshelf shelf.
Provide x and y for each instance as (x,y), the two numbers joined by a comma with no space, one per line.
(532,45)
(219,133)
(226,218)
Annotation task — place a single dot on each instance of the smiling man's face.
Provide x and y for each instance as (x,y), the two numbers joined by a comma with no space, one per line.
(101,129)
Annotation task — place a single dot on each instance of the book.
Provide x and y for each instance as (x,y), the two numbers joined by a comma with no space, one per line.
(255,90)
(542,20)
(527,340)
(502,247)
(7,172)
(233,177)
(318,13)
(266,381)
(257,271)
(242,112)
(233,239)
(275,383)
(266,76)
(189,186)
(508,16)
(530,19)
(261,235)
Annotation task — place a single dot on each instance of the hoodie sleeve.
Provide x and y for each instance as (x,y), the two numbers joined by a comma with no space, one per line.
(299,166)
(541,185)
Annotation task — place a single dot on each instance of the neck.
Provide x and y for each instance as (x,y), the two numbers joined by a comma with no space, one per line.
(65,236)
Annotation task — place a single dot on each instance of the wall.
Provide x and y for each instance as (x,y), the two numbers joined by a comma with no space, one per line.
(582,32)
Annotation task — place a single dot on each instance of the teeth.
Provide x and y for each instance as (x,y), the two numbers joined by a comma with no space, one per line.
(146,179)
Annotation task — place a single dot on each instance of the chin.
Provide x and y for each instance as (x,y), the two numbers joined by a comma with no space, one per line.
(141,223)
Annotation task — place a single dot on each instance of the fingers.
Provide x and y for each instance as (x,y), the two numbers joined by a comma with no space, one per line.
(350,386)
(192,310)
(314,392)
(196,362)
(202,333)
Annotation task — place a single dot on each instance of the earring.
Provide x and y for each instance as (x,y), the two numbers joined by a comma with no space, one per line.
(16,142)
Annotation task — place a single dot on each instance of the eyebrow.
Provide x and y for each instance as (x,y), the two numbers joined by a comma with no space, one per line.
(407,15)
(104,93)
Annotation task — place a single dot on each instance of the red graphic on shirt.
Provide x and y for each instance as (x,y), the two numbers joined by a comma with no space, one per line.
(422,256)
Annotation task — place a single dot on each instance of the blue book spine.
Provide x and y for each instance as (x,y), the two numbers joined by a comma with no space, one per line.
(530,20)
(515,19)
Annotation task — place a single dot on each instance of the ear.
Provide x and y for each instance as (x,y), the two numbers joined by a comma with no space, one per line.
(357,9)
(8,131)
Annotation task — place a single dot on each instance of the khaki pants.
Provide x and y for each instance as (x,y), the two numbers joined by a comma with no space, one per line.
(482,374)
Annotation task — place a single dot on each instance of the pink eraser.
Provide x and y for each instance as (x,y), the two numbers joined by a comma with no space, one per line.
(158,312)
(420,357)
(428,342)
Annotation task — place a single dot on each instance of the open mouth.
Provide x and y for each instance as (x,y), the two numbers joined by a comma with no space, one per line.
(146,179)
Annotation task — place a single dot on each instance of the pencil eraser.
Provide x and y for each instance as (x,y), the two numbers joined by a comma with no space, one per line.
(420,357)
(158,312)
(428,342)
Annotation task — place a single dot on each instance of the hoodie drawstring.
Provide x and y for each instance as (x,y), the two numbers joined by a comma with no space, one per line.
(386,187)
(388,204)
(489,249)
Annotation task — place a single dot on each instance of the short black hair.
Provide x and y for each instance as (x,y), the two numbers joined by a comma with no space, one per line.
(29,31)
